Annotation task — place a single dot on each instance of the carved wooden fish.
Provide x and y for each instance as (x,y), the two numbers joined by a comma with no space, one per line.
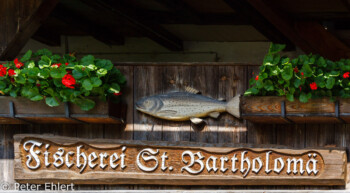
(182,106)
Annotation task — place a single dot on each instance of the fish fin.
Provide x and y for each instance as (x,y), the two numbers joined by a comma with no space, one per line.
(233,106)
(191,90)
(166,113)
(214,114)
(196,120)
(221,99)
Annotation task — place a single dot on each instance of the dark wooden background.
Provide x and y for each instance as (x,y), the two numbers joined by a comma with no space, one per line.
(214,80)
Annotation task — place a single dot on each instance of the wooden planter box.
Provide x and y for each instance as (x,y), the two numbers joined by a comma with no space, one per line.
(23,111)
(280,110)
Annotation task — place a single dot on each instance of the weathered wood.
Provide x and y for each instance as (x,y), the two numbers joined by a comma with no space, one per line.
(104,34)
(116,9)
(269,110)
(21,110)
(141,162)
(304,34)
(30,22)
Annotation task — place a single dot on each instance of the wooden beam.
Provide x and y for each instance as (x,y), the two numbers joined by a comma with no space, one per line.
(115,9)
(181,9)
(104,34)
(47,36)
(310,36)
(259,22)
(26,29)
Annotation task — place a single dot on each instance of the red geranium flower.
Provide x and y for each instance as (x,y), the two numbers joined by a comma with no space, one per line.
(2,71)
(296,70)
(313,86)
(346,75)
(68,81)
(117,93)
(11,72)
(302,73)
(66,63)
(56,65)
(257,78)
(18,64)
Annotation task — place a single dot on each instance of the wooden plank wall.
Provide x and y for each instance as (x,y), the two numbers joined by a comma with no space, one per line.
(217,81)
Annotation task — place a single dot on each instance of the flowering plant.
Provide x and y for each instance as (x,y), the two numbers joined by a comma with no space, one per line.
(304,77)
(50,77)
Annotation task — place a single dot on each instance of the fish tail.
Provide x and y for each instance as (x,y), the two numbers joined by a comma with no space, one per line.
(233,106)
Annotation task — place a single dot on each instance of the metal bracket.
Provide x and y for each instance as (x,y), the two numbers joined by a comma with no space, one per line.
(337,111)
(13,114)
(67,113)
(283,112)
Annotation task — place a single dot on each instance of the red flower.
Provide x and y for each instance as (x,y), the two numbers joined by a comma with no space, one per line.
(38,85)
(313,86)
(56,65)
(68,81)
(18,63)
(11,72)
(117,94)
(296,70)
(2,71)
(346,75)
(66,63)
(302,73)
(257,78)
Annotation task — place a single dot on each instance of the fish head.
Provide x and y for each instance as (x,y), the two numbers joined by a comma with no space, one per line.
(149,105)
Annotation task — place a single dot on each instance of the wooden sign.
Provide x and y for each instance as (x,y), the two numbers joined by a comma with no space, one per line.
(41,159)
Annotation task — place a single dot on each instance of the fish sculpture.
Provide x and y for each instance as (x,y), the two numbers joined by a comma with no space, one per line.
(182,106)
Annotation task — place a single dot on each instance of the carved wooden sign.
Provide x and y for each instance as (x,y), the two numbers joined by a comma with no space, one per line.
(40,159)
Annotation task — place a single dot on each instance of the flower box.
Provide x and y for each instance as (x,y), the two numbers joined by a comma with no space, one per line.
(272,109)
(23,111)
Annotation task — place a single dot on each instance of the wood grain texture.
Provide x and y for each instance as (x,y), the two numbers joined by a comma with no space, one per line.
(268,109)
(230,130)
(329,168)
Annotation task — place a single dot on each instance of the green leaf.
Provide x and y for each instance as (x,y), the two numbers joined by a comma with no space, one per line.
(115,88)
(101,72)
(297,83)
(274,48)
(43,64)
(85,104)
(287,72)
(106,64)
(20,79)
(330,83)
(43,52)
(269,85)
(50,91)
(87,84)
(51,101)
(87,60)
(37,98)
(303,98)
(96,82)
(44,73)
(27,56)
(290,97)
(2,85)
(321,62)
(58,72)
(306,69)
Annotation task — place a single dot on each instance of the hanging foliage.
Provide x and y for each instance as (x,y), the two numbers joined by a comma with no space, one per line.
(54,78)
(304,77)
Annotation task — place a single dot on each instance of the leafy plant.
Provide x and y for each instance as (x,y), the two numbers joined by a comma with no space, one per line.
(54,78)
(304,77)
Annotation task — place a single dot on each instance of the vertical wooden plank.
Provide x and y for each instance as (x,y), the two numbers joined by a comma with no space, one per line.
(124,131)
(175,79)
(232,81)
(206,80)
(147,82)
(7,153)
